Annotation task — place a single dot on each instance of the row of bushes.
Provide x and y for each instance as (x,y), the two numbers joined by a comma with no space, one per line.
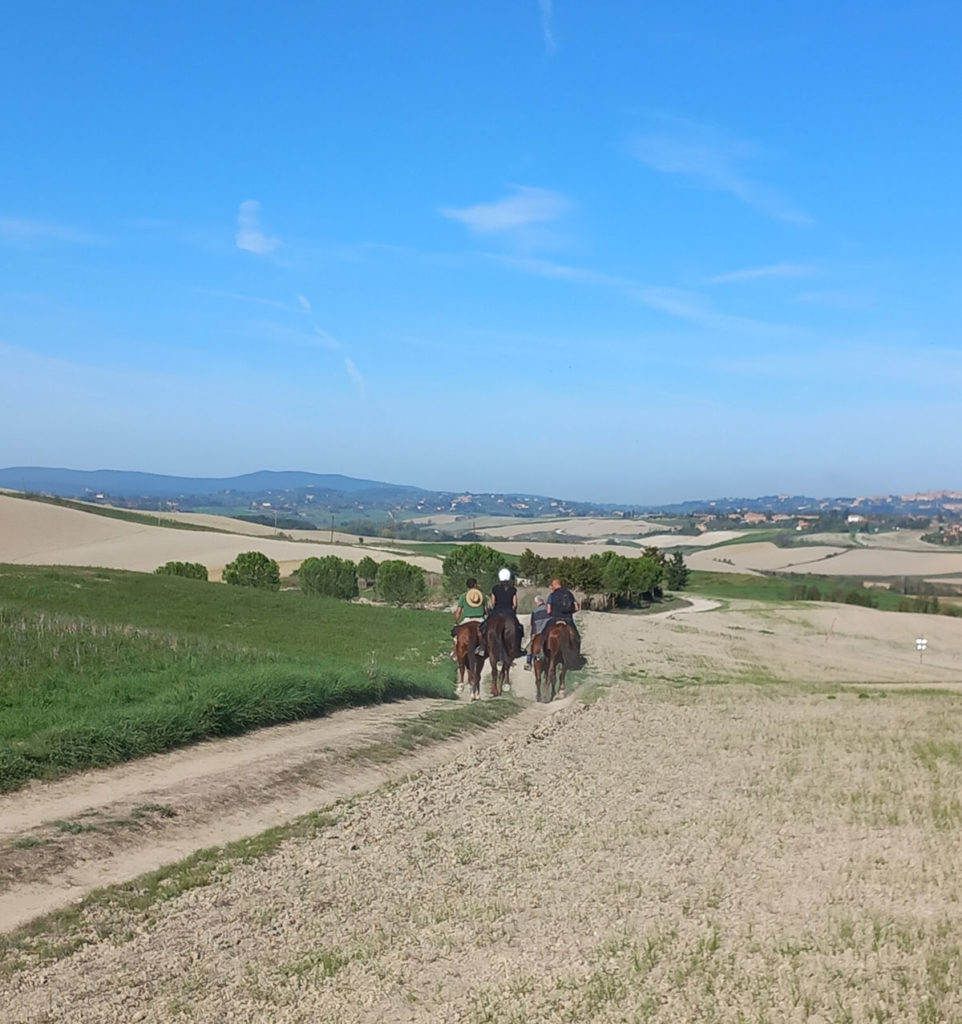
(394,581)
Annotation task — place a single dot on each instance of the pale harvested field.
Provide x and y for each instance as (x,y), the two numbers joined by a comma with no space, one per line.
(550,549)
(33,533)
(882,562)
(896,540)
(588,527)
(229,523)
(675,852)
(762,556)
(672,540)
(825,560)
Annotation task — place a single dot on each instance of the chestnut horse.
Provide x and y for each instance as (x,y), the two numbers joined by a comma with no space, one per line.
(470,663)
(559,648)
(501,640)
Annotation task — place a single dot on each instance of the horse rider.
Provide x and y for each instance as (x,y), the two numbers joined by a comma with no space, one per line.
(539,619)
(504,601)
(469,608)
(562,606)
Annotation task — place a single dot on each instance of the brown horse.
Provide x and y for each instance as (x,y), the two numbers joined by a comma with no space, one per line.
(502,638)
(470,663)
(559,645)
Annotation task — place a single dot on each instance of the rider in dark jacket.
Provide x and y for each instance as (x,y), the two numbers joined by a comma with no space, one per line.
(562,606)
(504,601)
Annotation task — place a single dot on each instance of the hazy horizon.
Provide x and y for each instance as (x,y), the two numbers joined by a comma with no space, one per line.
(589,499)
(599,252)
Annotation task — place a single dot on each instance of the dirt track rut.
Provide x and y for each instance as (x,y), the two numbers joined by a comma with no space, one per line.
(60,840)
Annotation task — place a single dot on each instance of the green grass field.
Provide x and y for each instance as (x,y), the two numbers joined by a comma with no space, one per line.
(780,588)
(100,666)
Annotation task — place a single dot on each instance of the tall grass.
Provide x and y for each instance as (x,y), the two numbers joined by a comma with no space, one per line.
(154,663)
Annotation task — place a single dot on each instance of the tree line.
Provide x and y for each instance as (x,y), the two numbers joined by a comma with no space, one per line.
(623,581)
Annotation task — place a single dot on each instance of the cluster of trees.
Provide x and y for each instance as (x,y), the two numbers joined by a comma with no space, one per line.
(189,570)
(929,605)
(941,536)
(624,580)
(472,560)
(840,594)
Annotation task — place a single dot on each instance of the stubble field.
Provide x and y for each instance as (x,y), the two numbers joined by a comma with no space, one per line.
(758,821)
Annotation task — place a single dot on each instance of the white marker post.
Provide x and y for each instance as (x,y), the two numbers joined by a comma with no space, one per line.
(920,644)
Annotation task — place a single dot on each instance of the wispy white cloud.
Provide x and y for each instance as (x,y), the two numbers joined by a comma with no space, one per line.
(318,338)
(675,302)
(18,231)
(546,8)
(526,207)
(249,235)
(754,273)
(355,374)
(704,155)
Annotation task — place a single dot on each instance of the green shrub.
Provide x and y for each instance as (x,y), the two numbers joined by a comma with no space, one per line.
(188,570)
(400,582)
(253,569)
(367,570)
(329,576)
(677,572)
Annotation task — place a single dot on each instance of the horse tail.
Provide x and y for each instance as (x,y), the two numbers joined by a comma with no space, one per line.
(568,647)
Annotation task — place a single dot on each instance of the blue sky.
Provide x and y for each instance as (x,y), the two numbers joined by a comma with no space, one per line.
(613,251)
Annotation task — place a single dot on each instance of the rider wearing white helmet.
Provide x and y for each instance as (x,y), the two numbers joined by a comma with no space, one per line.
(504,601)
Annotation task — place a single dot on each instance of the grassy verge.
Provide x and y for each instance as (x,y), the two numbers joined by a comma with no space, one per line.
(436,726)
(105,913)
(98,667)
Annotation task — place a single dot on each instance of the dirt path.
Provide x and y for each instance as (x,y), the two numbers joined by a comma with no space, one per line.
(60,840)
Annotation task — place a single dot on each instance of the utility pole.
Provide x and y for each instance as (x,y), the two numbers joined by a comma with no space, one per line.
(332,527)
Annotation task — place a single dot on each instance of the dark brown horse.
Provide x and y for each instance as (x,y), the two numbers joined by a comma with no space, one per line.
(559,647)
(470,663)
(502,638)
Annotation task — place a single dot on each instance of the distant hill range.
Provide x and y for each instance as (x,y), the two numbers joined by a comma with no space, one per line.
(317,495)
(81,483)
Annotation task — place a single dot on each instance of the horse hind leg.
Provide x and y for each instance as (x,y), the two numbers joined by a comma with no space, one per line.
(495,689)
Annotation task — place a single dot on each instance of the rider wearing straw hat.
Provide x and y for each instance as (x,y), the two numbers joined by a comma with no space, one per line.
(470,607)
